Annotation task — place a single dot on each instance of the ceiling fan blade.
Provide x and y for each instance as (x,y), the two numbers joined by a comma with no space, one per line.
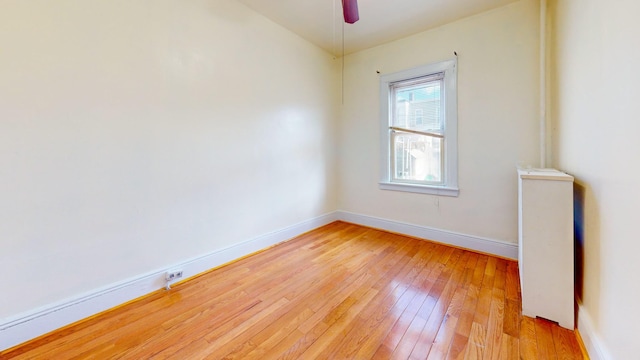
(350,10)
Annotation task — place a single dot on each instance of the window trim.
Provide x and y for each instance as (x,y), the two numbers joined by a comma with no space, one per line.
(450,183)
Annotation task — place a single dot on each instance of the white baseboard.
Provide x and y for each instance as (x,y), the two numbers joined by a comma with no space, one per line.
(27,326)
(592,342)
(484,245)
(24,327)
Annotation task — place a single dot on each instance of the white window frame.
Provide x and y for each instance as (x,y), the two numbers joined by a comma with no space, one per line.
(449,186)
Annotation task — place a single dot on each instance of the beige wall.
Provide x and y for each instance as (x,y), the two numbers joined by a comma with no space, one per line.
(135,135)
(596,113)
(498,92)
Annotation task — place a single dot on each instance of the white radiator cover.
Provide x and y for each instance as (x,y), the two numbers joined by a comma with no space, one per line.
(545,239)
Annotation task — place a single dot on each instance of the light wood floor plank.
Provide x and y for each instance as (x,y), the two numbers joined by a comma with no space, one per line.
(565,343)
(446,311)
(477,342)
(528,339)
(545,340)
(341,291)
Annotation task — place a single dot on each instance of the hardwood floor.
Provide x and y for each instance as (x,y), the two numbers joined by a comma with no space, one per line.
(339,292)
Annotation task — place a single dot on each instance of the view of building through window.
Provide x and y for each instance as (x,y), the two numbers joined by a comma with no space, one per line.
(418,130)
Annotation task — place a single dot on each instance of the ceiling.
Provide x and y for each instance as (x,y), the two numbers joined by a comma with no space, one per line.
(381,21)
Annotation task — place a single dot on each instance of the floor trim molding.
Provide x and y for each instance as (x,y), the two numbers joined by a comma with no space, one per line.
(28,326)
(484,245)
(592,342)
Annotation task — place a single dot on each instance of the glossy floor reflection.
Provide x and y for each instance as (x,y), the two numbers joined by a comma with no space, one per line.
(339,292)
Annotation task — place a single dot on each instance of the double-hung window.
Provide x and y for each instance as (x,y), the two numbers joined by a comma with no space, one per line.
(419,130)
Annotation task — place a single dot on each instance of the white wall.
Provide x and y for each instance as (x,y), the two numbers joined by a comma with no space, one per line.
(596,111)
(135,135)
(497,122)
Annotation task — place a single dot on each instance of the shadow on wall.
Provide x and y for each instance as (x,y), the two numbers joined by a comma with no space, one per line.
(587,247)
(578,237)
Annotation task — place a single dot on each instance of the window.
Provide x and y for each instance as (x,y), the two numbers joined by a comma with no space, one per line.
(418,114)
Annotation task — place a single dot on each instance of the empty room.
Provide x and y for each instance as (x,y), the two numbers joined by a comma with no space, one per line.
(355,179)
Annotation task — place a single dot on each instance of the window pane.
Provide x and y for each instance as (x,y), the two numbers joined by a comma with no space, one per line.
(417,157)
(418,106)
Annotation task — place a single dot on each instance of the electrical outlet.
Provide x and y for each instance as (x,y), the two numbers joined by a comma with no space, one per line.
(173,275)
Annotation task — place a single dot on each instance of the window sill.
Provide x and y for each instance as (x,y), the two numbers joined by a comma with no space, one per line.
(422,189)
